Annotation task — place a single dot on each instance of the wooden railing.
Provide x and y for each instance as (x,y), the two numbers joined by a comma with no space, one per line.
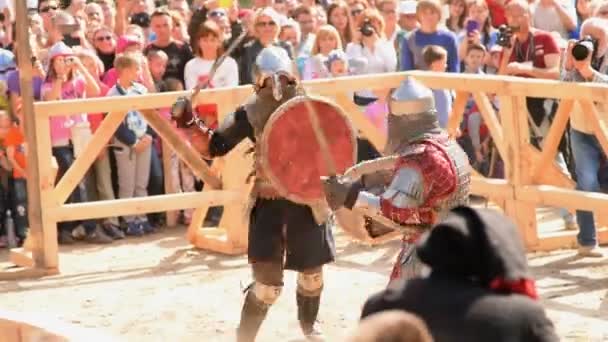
(532,178)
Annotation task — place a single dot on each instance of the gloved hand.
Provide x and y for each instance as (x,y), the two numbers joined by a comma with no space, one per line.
(340,193)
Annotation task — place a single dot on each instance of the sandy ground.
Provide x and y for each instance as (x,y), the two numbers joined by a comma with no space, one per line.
(157,288)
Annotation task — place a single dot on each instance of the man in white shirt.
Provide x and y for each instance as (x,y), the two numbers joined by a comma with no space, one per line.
(554,16)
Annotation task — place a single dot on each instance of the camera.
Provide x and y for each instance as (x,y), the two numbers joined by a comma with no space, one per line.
(504,36)
(141,19)
(367,29)
(584,47)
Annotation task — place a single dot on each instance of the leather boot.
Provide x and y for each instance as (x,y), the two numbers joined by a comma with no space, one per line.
(308,308)
(252,315)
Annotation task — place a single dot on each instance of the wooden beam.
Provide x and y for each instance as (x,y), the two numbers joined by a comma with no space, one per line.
(489,116)
(492,188)
(514,117)
(186,153)
(565,239)
(553,138)
(458,108)
(552,174)
(37,136)
(170,188)
(142,205)
(500,85)
(512,86)
(371,132)
(20,273)
(83,162)
(548,195)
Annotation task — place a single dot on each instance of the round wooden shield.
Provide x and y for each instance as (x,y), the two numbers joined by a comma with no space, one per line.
(291,157)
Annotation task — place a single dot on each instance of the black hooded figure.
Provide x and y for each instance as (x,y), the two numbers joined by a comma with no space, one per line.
(479,288)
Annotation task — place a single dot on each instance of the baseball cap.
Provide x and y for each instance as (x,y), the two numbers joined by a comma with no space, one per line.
(407,7)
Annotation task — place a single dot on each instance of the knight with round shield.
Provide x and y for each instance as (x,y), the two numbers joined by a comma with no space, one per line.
(287,222)
(423,174)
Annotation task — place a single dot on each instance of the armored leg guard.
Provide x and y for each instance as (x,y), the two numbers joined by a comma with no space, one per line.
(308,297)
(257,302)
(259,299)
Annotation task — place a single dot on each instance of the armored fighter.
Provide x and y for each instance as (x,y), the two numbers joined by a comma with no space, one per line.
(423,174)
(283,233)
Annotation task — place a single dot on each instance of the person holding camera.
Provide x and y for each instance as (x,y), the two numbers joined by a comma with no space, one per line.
(586,60)
(371,49)
(533,53)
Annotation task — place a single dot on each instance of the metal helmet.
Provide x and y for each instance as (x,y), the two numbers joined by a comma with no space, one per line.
(411,115)
(273,62)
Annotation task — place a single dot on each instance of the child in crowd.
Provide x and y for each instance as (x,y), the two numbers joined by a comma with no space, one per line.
(337,63)
(13,154)
(436,58)
(157,61)
(474,60)
(133,141)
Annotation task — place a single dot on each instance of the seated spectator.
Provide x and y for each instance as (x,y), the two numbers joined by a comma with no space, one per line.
(133,140)
(479,287)
(391,326)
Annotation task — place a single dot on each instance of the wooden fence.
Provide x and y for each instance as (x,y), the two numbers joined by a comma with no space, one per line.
(532,178)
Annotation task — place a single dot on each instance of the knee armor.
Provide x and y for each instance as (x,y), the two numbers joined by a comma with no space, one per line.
(266,294)
(310,284)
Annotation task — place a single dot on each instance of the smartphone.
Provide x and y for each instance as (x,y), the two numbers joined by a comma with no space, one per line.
(472,25)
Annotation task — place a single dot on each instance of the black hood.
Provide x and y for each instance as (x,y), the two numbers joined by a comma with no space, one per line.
(479,244)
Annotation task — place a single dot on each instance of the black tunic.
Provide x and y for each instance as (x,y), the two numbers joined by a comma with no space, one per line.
(468,251)
(278,229)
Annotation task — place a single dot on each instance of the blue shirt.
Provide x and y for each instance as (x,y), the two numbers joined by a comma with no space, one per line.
(443,105)
(411,49)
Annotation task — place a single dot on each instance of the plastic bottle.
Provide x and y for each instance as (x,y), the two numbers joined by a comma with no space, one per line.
(9,224)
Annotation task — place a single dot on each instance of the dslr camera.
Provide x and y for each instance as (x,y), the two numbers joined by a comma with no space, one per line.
(367,29)
(585,47)
(504,36)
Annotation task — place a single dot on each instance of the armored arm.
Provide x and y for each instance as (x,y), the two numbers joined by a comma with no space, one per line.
(399,201)
(231,132)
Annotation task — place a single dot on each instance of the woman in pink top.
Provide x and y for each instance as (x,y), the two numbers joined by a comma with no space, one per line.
(68,79)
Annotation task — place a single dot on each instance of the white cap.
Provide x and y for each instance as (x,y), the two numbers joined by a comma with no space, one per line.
(272,14)
(60,49)
(407,7)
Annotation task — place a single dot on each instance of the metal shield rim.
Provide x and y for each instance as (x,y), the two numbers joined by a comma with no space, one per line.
(264,137)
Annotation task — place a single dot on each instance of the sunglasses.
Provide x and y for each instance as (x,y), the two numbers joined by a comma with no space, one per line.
(265,23)
(48,9)
(217,14)
(101,39)
(356,12)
